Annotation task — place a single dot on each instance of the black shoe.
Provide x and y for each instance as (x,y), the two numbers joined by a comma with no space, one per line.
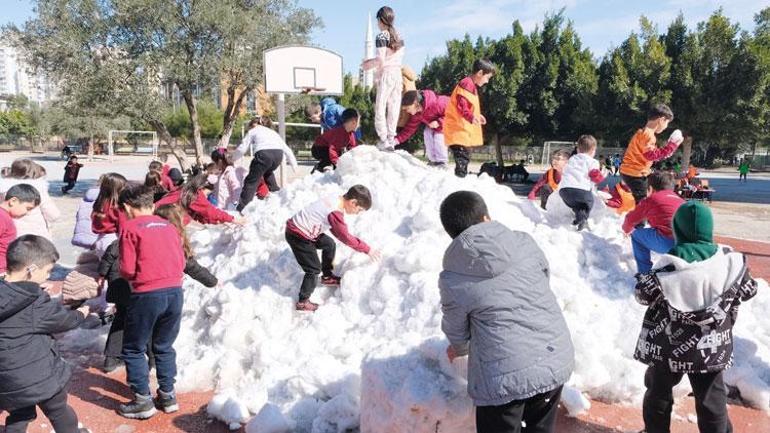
(166,402)
(111,364)
(141,407)
(582,226)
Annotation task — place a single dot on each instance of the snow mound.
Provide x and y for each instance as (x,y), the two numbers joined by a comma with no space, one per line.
(372,357)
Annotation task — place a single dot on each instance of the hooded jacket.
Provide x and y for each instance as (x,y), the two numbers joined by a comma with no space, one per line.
(31,369)
(331,113)
(692,308)
(499,309)
(83,236)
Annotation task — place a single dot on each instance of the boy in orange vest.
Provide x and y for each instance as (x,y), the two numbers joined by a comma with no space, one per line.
(549,182)
(642,150)
(463,118)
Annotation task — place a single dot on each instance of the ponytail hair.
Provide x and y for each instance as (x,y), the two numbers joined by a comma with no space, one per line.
(387,17)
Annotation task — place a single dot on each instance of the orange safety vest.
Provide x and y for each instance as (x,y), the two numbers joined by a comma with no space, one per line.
(551,179)
(634,162)
(457,130)
(627,201)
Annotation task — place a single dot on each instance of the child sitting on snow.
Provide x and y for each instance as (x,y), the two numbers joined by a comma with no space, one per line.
(499,310)
(693,294)
(658,210)
(578,179)
(305,234)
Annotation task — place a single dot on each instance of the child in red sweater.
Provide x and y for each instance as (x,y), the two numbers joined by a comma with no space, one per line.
(19,200)
(71,171)
(330,145)
(658,209)
(152,261)
(305,235)
(107,215)
(196,205)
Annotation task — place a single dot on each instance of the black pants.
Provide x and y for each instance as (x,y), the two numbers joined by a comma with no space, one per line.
(70,184)
(538,412)
(579,200)
(119,293)
(545,192)
(263,166)
(152,317)
(322,155)
(306,253)
(743,176)
(637,185)
(462,158)
(710,401)
(59,413)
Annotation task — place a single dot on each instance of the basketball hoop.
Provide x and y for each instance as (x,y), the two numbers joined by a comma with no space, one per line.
(311,90)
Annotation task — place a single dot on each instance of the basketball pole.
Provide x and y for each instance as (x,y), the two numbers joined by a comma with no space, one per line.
(282,130)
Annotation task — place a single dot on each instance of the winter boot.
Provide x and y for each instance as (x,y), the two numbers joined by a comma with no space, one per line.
(166,402)
(141,407)
(330,280)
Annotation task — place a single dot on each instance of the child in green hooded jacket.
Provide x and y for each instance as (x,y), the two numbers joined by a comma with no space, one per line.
(693,294)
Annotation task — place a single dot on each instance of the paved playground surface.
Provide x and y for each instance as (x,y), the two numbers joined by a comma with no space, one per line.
(741,211)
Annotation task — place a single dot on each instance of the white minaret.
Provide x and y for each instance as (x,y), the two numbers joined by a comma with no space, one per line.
(368,78)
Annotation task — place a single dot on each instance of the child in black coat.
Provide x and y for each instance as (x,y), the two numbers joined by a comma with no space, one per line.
(32,373)
(71,171)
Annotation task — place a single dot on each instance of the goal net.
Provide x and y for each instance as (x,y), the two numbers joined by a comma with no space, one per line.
(552,146)
(121,142)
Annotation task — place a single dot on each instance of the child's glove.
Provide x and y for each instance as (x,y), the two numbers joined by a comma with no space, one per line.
(676,137)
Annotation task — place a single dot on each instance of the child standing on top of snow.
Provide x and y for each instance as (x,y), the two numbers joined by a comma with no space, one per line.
(390,53)
(642,150)
(549,182)
(463,121)
(428,108)
(577,182)
(658,209)
(499,310)
(693,294)
(305,235)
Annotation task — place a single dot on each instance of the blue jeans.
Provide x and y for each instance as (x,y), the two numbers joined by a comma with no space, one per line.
(646,240)
(153,316)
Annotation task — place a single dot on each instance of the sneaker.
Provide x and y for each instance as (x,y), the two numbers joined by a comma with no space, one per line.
(330,280)
(385,146)
(166,402)
(111,364)
(306,305)
(141,407)
(582,226)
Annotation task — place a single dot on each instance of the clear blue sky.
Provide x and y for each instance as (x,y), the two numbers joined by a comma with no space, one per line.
(427,24)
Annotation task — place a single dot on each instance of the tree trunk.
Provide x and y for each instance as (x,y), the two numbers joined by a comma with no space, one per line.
(164,135)
(192,109)
(91,148)
(232,111)
(498,151)
(686,153)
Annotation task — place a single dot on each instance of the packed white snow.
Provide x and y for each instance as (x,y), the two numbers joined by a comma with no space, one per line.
(372,358)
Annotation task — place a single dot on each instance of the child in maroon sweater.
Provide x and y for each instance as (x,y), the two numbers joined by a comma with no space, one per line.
(330,145)
(196,205)
(658,209)
(71,171)
(152,261)
(19,200)
(305,235)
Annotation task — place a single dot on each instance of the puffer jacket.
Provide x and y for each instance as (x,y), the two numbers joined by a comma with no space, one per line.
(499,309)
(39,219)
(83,236)
(31,369)
(692,309)
(331,113)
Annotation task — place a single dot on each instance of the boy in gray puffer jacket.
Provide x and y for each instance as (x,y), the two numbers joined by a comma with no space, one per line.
(499,310)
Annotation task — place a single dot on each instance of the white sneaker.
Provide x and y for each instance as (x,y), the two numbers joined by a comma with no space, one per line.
(385,146)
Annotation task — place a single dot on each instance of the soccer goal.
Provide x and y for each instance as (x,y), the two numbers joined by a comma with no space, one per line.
(552,146)
(121,142)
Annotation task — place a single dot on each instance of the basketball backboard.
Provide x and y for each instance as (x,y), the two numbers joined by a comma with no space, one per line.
(303,69)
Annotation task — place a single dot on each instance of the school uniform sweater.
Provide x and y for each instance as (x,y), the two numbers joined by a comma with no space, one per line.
(7,235)
(200,209)
(109,221)
(658,209)
(151,256)
(321,216)
(337,141)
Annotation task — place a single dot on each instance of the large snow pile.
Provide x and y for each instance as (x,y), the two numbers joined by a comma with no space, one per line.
(373,354)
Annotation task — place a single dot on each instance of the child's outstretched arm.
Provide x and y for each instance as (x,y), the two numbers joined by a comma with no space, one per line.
(199,273)
(748,287)
(51,317)
(340,230)
(672,144)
